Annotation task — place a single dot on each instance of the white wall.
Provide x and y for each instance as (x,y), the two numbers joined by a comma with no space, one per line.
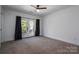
(9,17)
(63,25)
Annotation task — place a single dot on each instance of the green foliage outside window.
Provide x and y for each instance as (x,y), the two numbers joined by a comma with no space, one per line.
(23,25)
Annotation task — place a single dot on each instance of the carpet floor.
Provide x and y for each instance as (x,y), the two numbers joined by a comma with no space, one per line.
(38,45)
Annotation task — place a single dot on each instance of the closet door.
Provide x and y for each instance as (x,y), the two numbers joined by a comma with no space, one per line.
(0,30)
(0,26)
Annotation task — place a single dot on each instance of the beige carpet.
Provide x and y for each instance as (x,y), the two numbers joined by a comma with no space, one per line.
(37,45)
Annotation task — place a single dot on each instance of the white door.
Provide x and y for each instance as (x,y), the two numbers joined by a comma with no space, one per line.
(28,27)
(0,26)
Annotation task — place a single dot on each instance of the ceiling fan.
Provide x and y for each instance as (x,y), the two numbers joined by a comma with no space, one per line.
(38,7)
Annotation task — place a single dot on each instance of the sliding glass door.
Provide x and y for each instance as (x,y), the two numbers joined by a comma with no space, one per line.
(28,27)
(31,27)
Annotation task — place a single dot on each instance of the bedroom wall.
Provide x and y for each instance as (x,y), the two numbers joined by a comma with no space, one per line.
(63,25)
(9,17)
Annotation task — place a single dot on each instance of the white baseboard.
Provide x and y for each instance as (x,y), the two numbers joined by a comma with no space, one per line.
(57,38)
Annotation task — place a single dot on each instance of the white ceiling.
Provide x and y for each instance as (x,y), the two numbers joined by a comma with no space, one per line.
(29,9)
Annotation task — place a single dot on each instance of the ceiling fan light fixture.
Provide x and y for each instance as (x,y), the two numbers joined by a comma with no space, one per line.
(38,10)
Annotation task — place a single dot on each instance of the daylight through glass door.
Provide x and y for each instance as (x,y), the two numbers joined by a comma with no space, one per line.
(28,27)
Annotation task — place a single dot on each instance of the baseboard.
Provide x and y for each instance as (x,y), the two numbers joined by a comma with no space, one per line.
(59,39)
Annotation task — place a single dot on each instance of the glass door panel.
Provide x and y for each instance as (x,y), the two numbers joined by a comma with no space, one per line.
(27,27)
(24,25)
(31,27)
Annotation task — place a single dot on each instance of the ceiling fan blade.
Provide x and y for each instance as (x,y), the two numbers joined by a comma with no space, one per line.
(38,7)
(33,6)
(42,8)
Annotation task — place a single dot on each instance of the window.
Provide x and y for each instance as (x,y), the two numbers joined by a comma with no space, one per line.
(24,25)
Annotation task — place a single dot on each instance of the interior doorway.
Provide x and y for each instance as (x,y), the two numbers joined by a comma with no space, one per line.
(28,27)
